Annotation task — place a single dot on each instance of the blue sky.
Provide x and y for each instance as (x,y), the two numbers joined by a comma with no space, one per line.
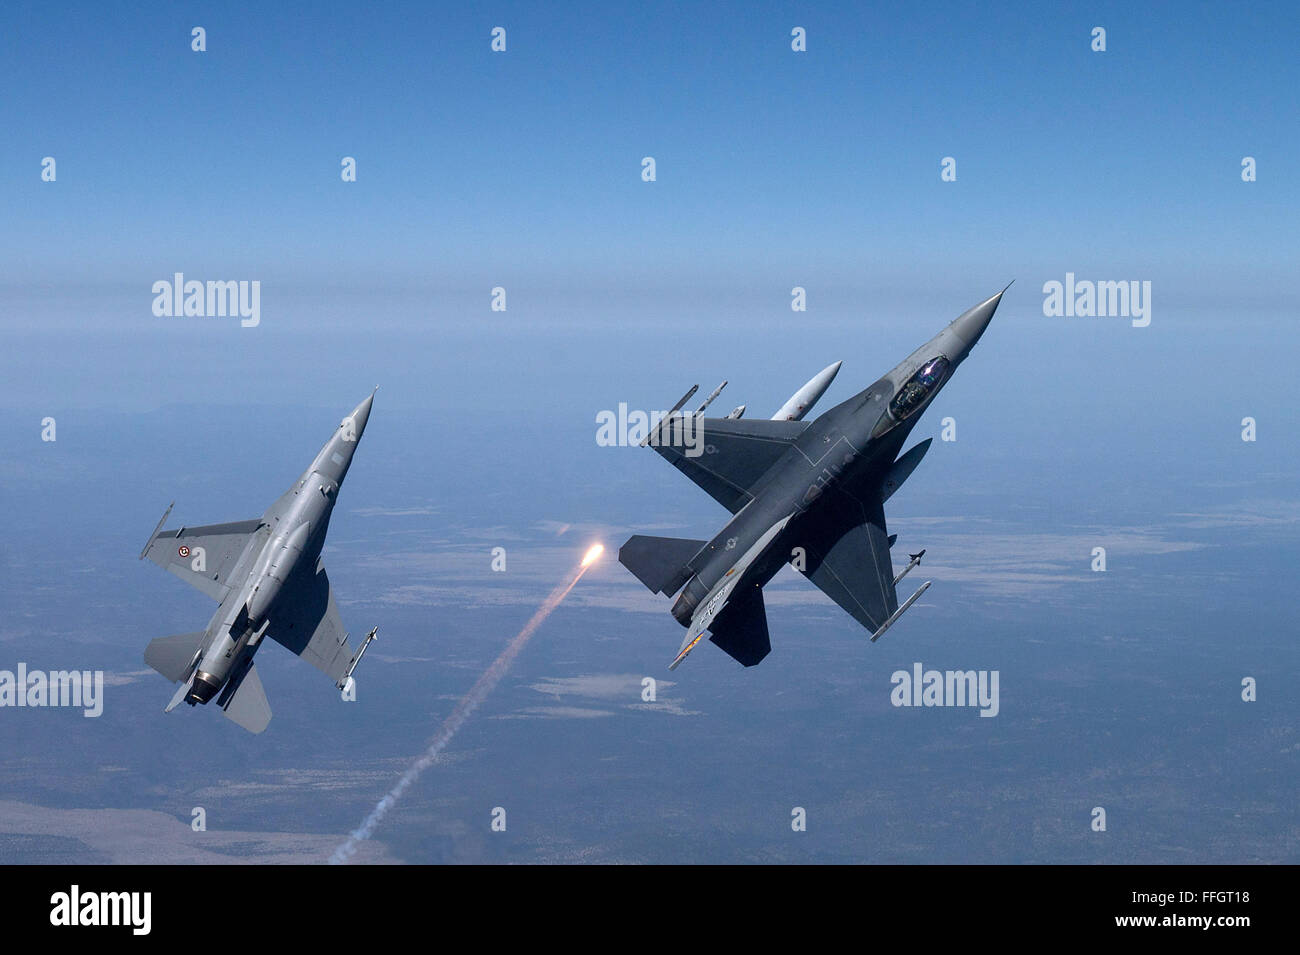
(474,165)
(522,170)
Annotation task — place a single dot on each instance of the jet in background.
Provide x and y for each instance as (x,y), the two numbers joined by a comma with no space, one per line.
(808,494)
(267,577)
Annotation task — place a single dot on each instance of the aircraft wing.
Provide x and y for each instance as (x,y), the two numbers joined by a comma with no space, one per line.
(847,554)
(733,453)
(203,556)
(306,621)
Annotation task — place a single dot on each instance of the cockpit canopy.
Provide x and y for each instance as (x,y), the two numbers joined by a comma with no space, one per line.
(919,387)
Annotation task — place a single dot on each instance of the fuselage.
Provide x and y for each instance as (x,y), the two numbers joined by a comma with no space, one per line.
(836,451)
(287,544)
(851,447)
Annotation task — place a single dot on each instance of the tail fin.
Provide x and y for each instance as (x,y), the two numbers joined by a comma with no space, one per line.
(174,656)
(741,628)
(247,704)
(661,563)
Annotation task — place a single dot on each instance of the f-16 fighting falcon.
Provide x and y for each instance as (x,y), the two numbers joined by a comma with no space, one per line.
(808,494)
(268,578)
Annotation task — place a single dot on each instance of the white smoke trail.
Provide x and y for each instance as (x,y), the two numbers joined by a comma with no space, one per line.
(469,702)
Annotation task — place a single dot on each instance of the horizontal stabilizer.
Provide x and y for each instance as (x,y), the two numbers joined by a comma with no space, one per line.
(741,628)
(174,656)
(248,705)
(661,563)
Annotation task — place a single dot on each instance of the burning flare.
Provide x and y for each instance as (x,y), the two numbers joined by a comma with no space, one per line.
(593,554)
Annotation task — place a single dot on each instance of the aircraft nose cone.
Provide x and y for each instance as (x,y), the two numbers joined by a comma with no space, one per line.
(970,324)
(361,414)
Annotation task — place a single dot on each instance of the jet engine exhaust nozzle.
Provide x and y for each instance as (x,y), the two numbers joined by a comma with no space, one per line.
(684,607)
(205,688)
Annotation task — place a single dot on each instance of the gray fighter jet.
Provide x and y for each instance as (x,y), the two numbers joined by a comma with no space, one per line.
(808,494)
(268,578)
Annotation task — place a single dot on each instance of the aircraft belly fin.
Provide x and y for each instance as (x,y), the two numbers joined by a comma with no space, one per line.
(661,563)
(852,566)
(725,457)
(179,695)
(203,557)
(248,705)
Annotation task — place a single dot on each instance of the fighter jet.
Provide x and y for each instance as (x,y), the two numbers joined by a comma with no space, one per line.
(810,494)
(267,577)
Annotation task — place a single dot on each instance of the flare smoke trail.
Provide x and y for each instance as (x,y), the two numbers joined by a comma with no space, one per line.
(468,703)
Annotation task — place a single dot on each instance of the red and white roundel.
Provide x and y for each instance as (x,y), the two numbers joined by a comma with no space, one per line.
(183,551)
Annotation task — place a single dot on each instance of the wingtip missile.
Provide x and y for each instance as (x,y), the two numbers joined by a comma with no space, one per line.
(154,536)
(709,400)
(683,399)
(671,411)
(893,617)
(372,636)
